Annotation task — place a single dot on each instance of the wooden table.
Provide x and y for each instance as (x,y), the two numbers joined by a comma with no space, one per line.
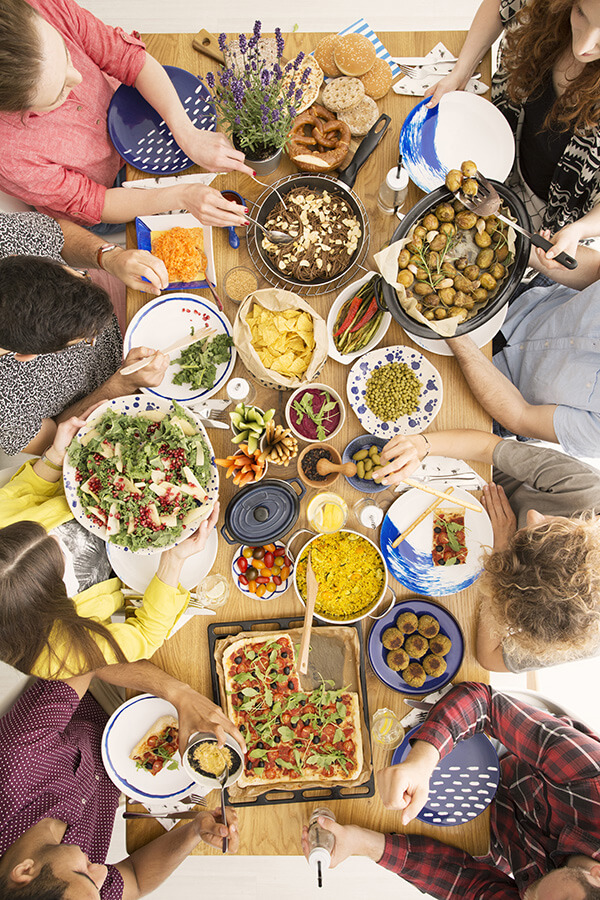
(275,830)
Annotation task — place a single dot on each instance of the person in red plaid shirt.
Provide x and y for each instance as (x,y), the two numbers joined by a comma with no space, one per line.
(545,818)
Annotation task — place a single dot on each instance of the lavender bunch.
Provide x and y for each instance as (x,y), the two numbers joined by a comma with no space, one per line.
(257,101)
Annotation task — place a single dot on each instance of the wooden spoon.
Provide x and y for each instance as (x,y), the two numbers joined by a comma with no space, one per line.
(326,467)
(312,586)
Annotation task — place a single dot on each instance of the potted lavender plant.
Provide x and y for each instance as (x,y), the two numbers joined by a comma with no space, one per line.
(256,99)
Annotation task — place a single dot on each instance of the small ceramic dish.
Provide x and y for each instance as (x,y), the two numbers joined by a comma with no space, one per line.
(236,571)
(307,430)
(203,777)
(328,480)
(363,442)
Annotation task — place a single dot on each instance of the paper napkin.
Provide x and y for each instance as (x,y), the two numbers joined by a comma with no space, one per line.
(415,86)
(442,472)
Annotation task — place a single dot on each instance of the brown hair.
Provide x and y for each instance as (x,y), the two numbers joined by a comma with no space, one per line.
(20,55)
(544,588)
(33,599)
(45,886)
(529,54)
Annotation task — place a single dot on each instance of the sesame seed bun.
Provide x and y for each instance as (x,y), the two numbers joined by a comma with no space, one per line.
(354,54)
(324,54)
(378,80)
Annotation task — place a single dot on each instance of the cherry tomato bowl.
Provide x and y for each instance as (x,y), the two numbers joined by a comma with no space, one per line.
(261,571)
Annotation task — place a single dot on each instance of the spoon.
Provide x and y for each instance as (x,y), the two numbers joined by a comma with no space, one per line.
(276,237)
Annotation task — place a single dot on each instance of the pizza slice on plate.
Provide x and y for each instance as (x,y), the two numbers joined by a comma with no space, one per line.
(449,541)
(157,747)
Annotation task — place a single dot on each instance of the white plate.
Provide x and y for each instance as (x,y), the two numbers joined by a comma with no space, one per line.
(167,319)
(462,126)
(411,563)
(349,291)
(430,399)
(123,730)
(481,336)
(235,572)
(137,571)
(132,405)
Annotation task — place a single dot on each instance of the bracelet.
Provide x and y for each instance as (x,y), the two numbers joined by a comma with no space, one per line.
(50,464)
(105,248)
(428,447)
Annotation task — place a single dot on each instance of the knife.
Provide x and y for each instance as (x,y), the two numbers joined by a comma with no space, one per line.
(188,814)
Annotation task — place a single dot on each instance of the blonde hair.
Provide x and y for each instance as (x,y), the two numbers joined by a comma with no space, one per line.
(543,589)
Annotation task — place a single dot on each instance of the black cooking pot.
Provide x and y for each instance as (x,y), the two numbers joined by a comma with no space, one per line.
(427,204)
(264,512)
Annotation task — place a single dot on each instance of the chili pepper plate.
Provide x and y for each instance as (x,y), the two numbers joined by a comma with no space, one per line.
(430,396)
(345,295)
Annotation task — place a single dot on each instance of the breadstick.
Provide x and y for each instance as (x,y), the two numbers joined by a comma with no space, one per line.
(418,520)
(444,496)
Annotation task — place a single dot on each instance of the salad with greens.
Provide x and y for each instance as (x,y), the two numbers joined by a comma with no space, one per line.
(199,361)
(143,477)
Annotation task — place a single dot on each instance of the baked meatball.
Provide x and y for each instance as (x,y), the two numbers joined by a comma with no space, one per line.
(398,660)
(434,665)
(416,645)
(407,622)
(428,626)
(392,639)
(414,675)
(440,645)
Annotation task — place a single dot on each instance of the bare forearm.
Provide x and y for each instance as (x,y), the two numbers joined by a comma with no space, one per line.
(151,865)
(485,29)
(488,642)
(143,676)
(80,245)
(463,443)
(124,204)
(586,273)
(156,87)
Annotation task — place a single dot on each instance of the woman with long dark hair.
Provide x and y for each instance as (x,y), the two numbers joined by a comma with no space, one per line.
(548,87)
(56,593)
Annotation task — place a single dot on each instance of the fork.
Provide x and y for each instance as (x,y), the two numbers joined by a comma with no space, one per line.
(487,203)
(218,415)
(424,71)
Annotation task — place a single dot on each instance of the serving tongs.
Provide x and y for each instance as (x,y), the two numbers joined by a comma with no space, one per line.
(487,203)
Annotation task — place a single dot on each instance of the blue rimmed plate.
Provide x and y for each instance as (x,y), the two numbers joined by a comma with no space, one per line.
(430,398)
(236,572)
(462,126)
(462,785)
(411,562)
(363,442)
(448,626)
(143,138)
(123,730)
(169,318)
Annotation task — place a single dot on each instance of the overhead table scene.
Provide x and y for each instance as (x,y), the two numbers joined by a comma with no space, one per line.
(445,402)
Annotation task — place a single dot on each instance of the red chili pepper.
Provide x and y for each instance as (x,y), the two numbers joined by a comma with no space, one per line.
(372,309)
(354,307)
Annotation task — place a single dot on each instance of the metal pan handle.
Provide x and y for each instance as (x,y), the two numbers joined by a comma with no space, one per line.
(293,538)
(364,150)
(389,607)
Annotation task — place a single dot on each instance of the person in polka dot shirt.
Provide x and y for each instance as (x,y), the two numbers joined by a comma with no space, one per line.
(58,804)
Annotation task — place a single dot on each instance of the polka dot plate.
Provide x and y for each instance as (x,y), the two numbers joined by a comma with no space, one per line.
(430,398)
(143,138)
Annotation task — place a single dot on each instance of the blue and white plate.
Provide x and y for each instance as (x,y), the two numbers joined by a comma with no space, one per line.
(462,784)
(363,442)
(167,319)
(143,138)
(235,571)
(127,725)
(462,126)
(132,405)
(430,399)
(448,626)
(411,562)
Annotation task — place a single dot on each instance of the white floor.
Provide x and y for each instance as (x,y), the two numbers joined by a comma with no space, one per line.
(574,686)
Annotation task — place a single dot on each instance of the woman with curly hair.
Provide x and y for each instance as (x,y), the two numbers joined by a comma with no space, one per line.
(540,589)
(548,87)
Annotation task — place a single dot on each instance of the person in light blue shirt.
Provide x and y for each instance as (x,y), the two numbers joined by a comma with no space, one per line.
(544,383)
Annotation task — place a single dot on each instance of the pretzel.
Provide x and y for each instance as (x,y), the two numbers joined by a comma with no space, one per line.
(329,137)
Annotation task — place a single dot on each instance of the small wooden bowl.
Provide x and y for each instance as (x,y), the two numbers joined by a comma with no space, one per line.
(329,479)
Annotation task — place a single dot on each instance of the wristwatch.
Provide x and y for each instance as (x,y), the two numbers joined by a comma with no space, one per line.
(105,248)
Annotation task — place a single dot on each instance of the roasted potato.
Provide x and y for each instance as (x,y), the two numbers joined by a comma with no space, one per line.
(444,212)
(454,179)
(431,223)
(429,314)
(498,271)
(468,168)
(448,229)
(463,284)
(461,263)
(448,269)
(421,274)
(479,295)
(466,220)
(471,272)
(439,242)
(483,240)
(431,300)
(405,278)
(414,245)
(447,296)
(433,260)
(470,187)
(458,206)
(491,224)
(419,231)
(458,313)
(463,300)
(502,253)
(403,258)
(485,258)
(488,281)
(440,312)
(415,260)
(422,288)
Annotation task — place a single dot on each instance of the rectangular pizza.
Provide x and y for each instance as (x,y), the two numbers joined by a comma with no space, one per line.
(449,542)
(292,735)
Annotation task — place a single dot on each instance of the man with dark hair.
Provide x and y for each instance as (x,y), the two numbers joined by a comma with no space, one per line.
(545,821)
(58,804)
(60,343)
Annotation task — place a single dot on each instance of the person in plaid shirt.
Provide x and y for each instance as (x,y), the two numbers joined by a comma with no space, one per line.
(545,818)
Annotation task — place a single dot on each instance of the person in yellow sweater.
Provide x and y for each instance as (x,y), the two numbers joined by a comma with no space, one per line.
(56,596)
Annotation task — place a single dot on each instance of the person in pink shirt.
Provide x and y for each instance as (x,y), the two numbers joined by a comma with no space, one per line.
(59,67)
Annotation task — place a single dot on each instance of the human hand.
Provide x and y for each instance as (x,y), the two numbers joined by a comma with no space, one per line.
(564,241)
(454,81)
(129,266)
(403,455)
(210,207)
(350,840)
(151,375)
(196,542)
(406,786)
(66,431)
(211,828)
(197,713)
(503,519)
(213,151)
